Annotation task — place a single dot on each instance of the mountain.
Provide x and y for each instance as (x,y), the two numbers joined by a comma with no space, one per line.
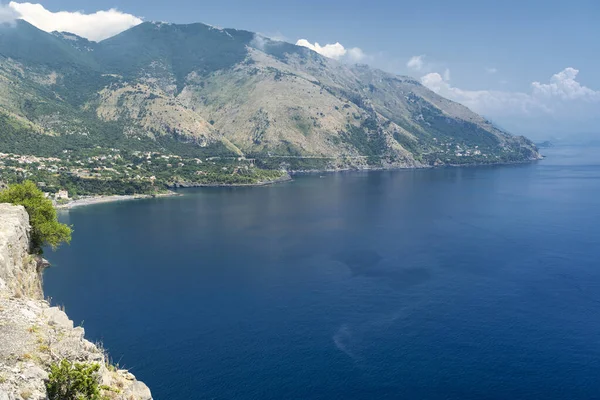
(202,90)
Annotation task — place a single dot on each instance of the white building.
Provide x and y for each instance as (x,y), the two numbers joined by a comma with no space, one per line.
(62,195)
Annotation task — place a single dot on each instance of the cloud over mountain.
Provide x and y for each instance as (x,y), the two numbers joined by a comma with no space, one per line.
(416,63)
(552,106)
(95,26)
(7,14)
(336,50)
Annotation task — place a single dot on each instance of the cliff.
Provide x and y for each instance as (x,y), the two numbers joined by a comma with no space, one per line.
(34,335)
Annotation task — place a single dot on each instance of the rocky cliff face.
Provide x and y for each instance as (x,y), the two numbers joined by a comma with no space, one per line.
(19,273)
(34,335)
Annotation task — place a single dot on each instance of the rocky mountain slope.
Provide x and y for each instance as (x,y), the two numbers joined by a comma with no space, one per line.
(231,92)
(33,335)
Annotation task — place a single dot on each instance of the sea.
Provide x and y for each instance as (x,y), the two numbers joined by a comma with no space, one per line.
(448,283)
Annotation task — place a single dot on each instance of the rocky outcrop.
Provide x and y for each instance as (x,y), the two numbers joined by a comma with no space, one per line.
(33,334)
(19,275)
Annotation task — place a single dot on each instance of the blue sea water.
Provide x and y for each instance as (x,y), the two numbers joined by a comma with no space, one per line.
(452,283)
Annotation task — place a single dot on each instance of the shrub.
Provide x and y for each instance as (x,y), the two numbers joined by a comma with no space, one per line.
(73,381)
(45,228)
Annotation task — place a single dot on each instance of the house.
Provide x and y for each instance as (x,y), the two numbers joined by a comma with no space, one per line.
(62,195)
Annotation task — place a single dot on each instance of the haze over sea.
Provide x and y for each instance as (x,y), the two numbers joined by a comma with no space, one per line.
(451,283)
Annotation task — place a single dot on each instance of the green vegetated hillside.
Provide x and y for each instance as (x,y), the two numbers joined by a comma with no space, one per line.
(231,105)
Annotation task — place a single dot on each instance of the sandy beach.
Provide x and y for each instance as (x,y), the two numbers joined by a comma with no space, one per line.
(91,200)
(88,201)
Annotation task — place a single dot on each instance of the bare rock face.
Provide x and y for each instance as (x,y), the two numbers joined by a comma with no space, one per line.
(19,274)
(34,335)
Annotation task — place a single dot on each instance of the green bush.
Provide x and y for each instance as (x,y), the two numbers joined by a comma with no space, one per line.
(45,228)
(73,381)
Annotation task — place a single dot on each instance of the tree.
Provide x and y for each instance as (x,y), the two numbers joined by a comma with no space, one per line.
(45,228)
(73,381)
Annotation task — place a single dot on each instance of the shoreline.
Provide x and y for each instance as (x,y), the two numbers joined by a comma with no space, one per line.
(415,168)
(91,200)
(189,185)
(102,199)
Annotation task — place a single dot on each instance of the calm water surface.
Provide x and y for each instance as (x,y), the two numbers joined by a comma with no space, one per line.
(472,283)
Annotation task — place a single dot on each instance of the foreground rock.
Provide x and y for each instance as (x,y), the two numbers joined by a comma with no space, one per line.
(34,335)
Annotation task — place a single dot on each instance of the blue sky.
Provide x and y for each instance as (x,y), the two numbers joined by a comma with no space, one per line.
(485,54)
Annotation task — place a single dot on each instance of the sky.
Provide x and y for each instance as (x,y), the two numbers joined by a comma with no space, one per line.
(532,67)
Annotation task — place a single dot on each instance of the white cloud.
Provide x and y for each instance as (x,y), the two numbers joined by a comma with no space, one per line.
(554,105)
(447,75)
(483,101)
(336,51)
(564,86)
(416,62)
(95,26)
(7,14)
(277,36)
(259,41)
(491,70)
(355,54)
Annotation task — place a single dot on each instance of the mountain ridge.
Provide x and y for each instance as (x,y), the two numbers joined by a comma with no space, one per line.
(284,105)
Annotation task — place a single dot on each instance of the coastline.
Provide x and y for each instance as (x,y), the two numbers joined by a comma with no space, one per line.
(187,185)
(421,167)
(91,200)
